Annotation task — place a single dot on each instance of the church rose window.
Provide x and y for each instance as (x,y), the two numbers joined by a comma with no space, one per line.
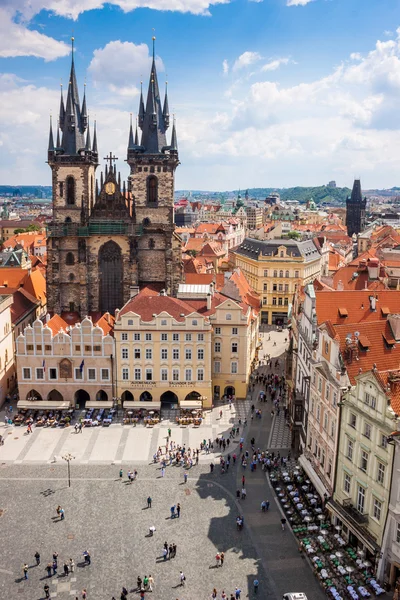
(70,190)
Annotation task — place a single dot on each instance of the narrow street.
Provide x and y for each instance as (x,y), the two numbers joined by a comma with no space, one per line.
(287,569)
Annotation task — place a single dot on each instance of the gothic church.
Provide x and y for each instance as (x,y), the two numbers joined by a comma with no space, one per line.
(107,240)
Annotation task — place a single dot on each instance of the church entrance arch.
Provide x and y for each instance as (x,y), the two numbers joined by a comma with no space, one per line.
(110,277)
(81,397)
(169,398)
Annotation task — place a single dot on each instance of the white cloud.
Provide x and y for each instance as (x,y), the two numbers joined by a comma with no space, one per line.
(225,67)
(18,40)
(297,2)
(273,65)
(246,59)
(120,66)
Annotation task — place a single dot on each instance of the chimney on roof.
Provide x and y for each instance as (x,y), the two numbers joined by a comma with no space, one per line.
(394,322)
(116,313)
(212,288)
(209,301)
(372,303)
(133,291)
(163,292)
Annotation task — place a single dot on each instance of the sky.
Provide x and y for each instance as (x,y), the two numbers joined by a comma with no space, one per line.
(266,93)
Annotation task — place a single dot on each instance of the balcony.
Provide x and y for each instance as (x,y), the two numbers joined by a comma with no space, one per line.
(355,515)
(95,228)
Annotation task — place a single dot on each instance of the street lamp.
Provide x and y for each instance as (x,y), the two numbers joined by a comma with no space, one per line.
(68,457)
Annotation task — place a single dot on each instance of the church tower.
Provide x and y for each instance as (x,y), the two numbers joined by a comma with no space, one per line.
(107,239)
(355,210)
(153,162)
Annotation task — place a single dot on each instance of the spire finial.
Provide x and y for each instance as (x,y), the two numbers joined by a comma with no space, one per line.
(94,139)
(154,44)
(72,47)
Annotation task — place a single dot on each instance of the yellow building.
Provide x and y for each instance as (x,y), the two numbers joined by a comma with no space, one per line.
(275,269)
(7,362)
(163,351)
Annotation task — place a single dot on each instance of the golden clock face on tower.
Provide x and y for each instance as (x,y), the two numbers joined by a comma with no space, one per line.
(110,188)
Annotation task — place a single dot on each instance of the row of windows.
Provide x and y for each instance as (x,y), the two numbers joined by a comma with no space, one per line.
(364,461)
(234,347)
(281,274)
(277,287)
(320,454)
(40,373)
(48,348)
(367,429)
(148,374)
(164,337)
(361,497)
(218,330)
(280,302)
(148,353)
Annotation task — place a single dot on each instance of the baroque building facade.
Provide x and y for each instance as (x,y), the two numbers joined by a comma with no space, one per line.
(106,239)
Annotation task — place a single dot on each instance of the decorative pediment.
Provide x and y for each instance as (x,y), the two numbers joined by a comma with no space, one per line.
(112,201)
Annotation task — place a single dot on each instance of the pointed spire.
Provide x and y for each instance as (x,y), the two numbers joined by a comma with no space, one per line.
(62,108)
(95,140)
(58,136)
(51,139)
(88,146)
(73,128)
(131,143)
(84,110)
(153,125)
(141,106)
(101,179)
(356,194)
(166,107)
(136,135)
(174,141)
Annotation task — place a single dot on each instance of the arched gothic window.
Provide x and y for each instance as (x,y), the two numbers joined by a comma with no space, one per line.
(70,190)
(152,190)
(70,259)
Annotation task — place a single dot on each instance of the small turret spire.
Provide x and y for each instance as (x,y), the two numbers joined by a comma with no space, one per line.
(136,135)
(62,109)
(141,106)
(51,139)
(58,136)
(94,150)
(84,110)
(166,107)
(131,143)
(88,146)
(174,141)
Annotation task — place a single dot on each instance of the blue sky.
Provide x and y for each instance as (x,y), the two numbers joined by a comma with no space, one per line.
(268,93)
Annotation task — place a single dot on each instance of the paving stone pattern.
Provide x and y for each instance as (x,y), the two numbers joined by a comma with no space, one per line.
(280,437)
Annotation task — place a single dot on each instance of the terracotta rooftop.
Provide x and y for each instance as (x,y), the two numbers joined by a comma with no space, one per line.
(357,305)
(146,305)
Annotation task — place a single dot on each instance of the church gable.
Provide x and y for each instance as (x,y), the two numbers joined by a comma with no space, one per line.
(111,202)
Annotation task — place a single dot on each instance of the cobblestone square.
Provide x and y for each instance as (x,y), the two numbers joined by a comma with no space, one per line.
(109,518)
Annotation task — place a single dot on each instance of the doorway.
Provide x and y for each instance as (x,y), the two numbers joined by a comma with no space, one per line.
(169,400)
(81,397)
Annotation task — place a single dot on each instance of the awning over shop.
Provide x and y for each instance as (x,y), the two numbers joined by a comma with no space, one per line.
(357,529)
(191,404)
(315,480)
(44,405)
(145,405)
(99,404)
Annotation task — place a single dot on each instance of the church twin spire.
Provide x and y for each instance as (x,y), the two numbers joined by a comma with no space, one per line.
(73,122)
(153,119)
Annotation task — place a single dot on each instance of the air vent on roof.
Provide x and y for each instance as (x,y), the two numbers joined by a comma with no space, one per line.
(182,314)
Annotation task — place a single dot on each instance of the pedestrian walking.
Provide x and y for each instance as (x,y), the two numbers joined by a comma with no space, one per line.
(84,594)
(178,510)
(48,569)
(139,583)
(149,501)
(174,550)
(218,559)
(244,493)
(37,557)
(283,523)
(238,591)
(62,514)
(172,509)
(169,432)
(222,558)
(54,567)
(121,473)
(182,578)
(185,477)
(145,582)
(165,553)
(88,560)
(256,583)
(46,590)
(25,570)
(170,551)
(214,594)
(151,583)
(162,471)
(71,565)
(66,569)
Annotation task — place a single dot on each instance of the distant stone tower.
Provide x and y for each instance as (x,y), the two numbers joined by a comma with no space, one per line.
(355,210)
(104,240)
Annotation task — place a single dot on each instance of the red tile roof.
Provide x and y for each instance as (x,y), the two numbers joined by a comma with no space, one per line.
(356,303)
(146,306)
